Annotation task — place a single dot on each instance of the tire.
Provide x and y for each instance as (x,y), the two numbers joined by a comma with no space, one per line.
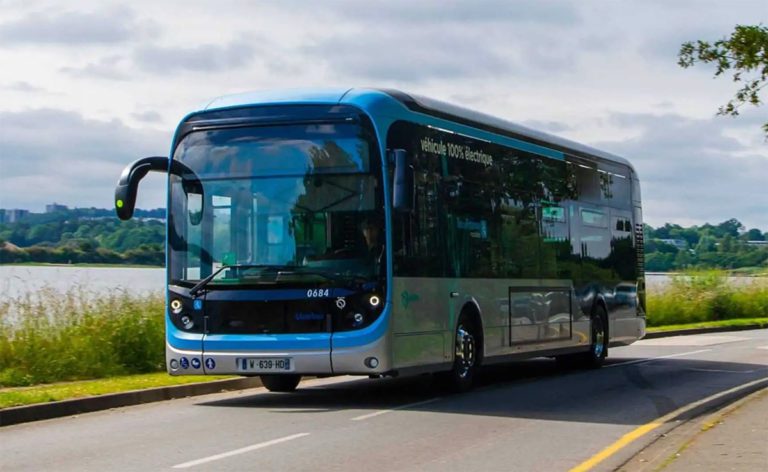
(461,376)
(281,383)
(598,348)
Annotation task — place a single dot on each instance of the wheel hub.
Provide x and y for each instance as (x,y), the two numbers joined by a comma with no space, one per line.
(465,351)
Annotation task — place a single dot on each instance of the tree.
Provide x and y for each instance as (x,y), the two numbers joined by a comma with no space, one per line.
(744,54)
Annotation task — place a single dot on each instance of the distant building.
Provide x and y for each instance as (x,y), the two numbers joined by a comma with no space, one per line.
(678,243)
(12,216)
(757,243)
(54,207)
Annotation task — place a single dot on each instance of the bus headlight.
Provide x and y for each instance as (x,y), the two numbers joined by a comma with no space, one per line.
(374,300)
(176,306)
(358,319)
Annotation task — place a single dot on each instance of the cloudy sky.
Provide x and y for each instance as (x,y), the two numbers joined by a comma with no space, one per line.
(88,86)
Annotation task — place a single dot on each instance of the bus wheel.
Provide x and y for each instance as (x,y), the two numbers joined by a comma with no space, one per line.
(280,383)
(598,349)
(460,377)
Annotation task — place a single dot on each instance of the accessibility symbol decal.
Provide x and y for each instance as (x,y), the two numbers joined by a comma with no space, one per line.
(195,363)
(184,362)
(210,364)
(197,305)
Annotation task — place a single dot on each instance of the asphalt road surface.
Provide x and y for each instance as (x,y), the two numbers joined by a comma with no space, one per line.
(524,416)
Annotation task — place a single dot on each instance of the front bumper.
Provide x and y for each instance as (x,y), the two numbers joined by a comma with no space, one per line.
(340,361)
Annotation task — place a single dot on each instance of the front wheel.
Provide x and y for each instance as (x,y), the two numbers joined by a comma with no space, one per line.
(461,376)
(281,383)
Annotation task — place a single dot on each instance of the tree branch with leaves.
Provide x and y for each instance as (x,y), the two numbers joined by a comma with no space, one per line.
(744,54)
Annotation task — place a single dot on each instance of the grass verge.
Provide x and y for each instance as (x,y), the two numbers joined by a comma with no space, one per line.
(18,396)
(763,322)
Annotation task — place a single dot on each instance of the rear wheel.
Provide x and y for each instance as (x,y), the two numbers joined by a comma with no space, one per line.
(598,348)
(281,383)
(461,376)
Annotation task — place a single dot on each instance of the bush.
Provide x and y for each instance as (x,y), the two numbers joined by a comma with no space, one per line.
(706,296)
(75,336)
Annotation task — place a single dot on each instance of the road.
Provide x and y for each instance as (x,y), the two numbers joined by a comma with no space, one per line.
(524,416)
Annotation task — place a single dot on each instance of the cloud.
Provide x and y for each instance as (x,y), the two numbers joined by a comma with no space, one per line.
(149,116)
(553,127)
(202,58)
(404,42)
(111,67)
(428,12)
(71,28)
(390,55)
(692,170)
(23,87)
(54,155)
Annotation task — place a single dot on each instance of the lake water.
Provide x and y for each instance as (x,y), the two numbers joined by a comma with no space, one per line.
(16,281)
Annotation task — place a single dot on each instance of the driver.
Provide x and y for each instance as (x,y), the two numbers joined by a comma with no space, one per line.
(374,246)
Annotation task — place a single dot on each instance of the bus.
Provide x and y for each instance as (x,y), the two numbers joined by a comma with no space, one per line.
(379,233)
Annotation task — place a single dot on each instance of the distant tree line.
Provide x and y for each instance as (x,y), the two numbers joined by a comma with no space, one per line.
(728,245)
(85,235)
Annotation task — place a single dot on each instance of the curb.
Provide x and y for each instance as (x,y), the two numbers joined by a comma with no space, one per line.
(653,456)
(717,329)
(45,411)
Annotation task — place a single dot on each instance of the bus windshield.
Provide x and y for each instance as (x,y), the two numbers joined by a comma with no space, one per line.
(290,205)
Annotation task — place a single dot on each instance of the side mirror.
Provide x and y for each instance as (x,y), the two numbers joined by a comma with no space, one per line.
(127,186)
(402,193)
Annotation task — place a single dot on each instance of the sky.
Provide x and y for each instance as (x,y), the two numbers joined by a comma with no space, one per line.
(86,87)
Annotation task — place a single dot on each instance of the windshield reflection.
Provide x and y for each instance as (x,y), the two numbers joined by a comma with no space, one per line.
(288,205)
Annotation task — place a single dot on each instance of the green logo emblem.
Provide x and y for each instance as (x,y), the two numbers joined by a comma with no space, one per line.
(407,298)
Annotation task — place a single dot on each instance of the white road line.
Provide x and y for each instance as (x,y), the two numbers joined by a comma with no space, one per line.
(725,371)
(650,359)
(401,407)
(239,451)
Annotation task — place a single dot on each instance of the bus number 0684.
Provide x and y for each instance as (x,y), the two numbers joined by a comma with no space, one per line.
(318,292)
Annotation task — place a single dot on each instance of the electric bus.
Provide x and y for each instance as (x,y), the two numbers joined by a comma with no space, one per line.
(375,232)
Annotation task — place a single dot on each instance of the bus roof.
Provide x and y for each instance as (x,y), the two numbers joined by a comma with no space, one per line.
(371,99)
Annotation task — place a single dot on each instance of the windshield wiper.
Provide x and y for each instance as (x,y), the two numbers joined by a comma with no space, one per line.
(201,285)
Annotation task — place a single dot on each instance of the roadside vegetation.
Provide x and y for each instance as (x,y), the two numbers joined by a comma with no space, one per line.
(54,337)
(17,396)
(707,296)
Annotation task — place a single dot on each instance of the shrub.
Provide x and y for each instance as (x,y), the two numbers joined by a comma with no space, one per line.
(53,337)
(706,296)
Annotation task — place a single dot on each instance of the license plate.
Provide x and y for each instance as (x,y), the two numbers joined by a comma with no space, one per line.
(261,364)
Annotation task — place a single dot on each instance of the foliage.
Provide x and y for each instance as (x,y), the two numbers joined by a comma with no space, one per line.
(52,337)
(85,235)
(744,53)
(706,296)
(723,246)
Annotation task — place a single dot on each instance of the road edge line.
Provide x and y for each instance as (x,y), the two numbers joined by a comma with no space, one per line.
(684,413)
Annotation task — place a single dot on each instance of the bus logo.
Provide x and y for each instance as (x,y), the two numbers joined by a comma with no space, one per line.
(407,298)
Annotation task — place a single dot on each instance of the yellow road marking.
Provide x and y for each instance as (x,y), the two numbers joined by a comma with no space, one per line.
(613,448)
(641,431)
